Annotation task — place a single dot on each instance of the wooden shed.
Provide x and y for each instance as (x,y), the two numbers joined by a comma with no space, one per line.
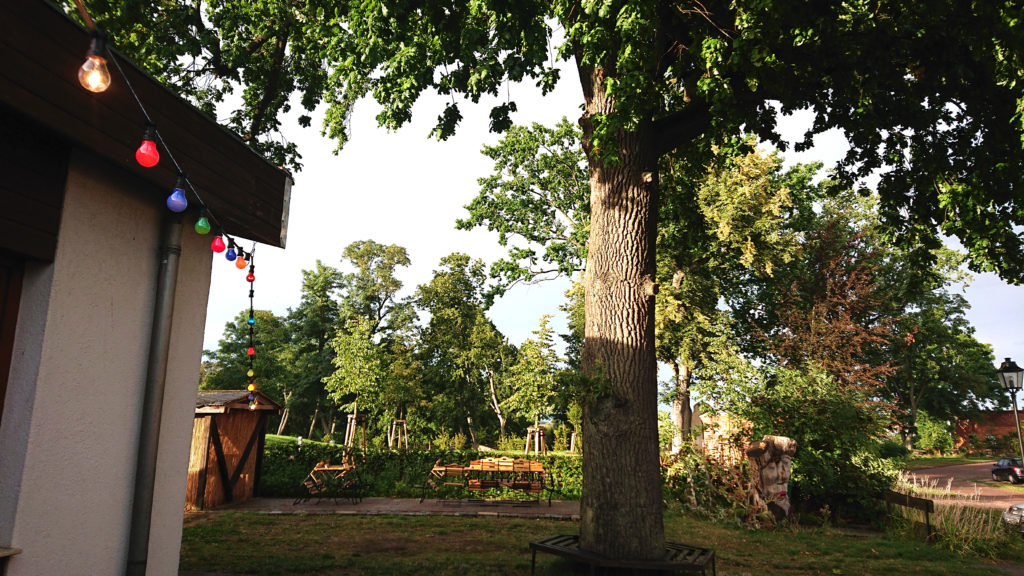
(227,447)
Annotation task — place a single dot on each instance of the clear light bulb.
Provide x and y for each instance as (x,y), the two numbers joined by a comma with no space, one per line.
(93,75)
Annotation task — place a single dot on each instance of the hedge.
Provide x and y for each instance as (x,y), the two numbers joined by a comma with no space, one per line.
(394,473)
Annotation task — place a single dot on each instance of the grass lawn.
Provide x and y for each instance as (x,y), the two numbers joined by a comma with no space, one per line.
(251,543)
(923,462)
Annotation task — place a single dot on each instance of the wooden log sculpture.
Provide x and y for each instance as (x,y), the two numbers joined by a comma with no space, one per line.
(770,463)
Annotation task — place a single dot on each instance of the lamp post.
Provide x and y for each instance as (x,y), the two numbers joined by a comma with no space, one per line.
(1010,376)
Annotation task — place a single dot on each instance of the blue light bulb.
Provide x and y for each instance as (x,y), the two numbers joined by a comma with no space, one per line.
(251,320)
(230,255)
(177,202)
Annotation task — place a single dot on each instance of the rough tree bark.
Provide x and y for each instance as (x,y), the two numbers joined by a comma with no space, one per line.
(620,510)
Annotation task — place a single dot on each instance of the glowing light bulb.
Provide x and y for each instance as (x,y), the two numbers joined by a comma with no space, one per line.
(177,202)
(217,245)
(251,277)
(147,155)
(251,321)
(93,75)
(252,406)
(250,374)
(240,263)
(252,387)
(203,225)
(230,254)
(250,351)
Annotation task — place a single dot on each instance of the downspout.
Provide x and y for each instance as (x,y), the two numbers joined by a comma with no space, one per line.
(153,398)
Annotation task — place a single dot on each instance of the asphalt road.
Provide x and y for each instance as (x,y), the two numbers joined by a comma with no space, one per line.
(972,480)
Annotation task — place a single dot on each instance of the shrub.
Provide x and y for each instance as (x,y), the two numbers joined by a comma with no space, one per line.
(511,444)
(712,489)
(891,449)
(390,473)
(933,435)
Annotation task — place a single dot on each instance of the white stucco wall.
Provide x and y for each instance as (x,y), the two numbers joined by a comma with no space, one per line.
(72,415)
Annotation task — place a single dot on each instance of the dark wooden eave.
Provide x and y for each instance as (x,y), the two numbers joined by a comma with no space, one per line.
(42,49)
(222,401)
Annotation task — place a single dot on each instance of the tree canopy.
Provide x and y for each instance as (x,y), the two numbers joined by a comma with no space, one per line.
(927,92)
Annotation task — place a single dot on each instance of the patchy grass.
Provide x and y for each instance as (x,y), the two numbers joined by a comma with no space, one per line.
(251,543)
(923,462)
(1003,485)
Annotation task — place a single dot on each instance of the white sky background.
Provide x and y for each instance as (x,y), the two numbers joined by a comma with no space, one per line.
(406,188)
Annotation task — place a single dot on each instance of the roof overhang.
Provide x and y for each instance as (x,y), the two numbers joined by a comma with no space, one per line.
(43,49)
(224,401)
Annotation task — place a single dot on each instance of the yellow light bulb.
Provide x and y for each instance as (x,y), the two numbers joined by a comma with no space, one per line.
(93,75)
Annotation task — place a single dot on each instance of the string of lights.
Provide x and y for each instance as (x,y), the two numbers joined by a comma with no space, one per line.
(94,76)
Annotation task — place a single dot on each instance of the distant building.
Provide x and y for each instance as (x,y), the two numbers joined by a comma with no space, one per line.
(996,424)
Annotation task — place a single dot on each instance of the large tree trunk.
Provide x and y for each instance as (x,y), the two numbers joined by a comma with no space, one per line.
(620,511)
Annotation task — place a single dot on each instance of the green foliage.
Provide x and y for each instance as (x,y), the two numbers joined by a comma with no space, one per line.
(708,488)
(837,430)
(892,450)
(391,473)
(933,435)
(532,378)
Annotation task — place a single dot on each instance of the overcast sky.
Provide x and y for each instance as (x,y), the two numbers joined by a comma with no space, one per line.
(405,188)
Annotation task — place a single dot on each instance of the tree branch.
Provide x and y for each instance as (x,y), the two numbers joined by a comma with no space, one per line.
(676,129)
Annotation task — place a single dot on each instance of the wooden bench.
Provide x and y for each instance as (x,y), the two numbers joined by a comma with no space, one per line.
(678,557)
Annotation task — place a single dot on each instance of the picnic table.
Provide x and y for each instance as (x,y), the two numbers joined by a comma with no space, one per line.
(489,473)
(333,481)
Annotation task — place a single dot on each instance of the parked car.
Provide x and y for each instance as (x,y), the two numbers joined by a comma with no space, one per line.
(1014,514)
(1011,469)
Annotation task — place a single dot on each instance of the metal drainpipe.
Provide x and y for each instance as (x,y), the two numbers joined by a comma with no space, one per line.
(153,399)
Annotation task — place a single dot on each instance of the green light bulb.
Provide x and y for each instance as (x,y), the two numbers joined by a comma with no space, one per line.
(203,225)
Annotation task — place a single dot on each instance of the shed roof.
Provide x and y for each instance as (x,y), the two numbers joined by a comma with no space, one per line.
(43,49)
(222,401)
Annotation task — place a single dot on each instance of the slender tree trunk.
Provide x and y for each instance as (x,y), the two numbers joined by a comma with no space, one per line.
(682,414)
(496,406)
(469,427)
(621,508)
(284,414)
(312,423)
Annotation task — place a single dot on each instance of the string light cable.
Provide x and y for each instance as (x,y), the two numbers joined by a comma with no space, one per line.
(94,76)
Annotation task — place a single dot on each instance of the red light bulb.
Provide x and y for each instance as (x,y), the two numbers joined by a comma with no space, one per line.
(251,277)
(217,245)
(251,351)
(147,155)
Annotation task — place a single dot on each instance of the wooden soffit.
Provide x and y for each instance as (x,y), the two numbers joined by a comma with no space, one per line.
(43,49)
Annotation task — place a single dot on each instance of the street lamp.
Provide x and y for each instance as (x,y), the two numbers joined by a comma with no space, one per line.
(1010,376)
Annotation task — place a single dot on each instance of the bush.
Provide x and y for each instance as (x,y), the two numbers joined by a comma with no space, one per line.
(933,435)
(712,489)
(390,473)
(890,449)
